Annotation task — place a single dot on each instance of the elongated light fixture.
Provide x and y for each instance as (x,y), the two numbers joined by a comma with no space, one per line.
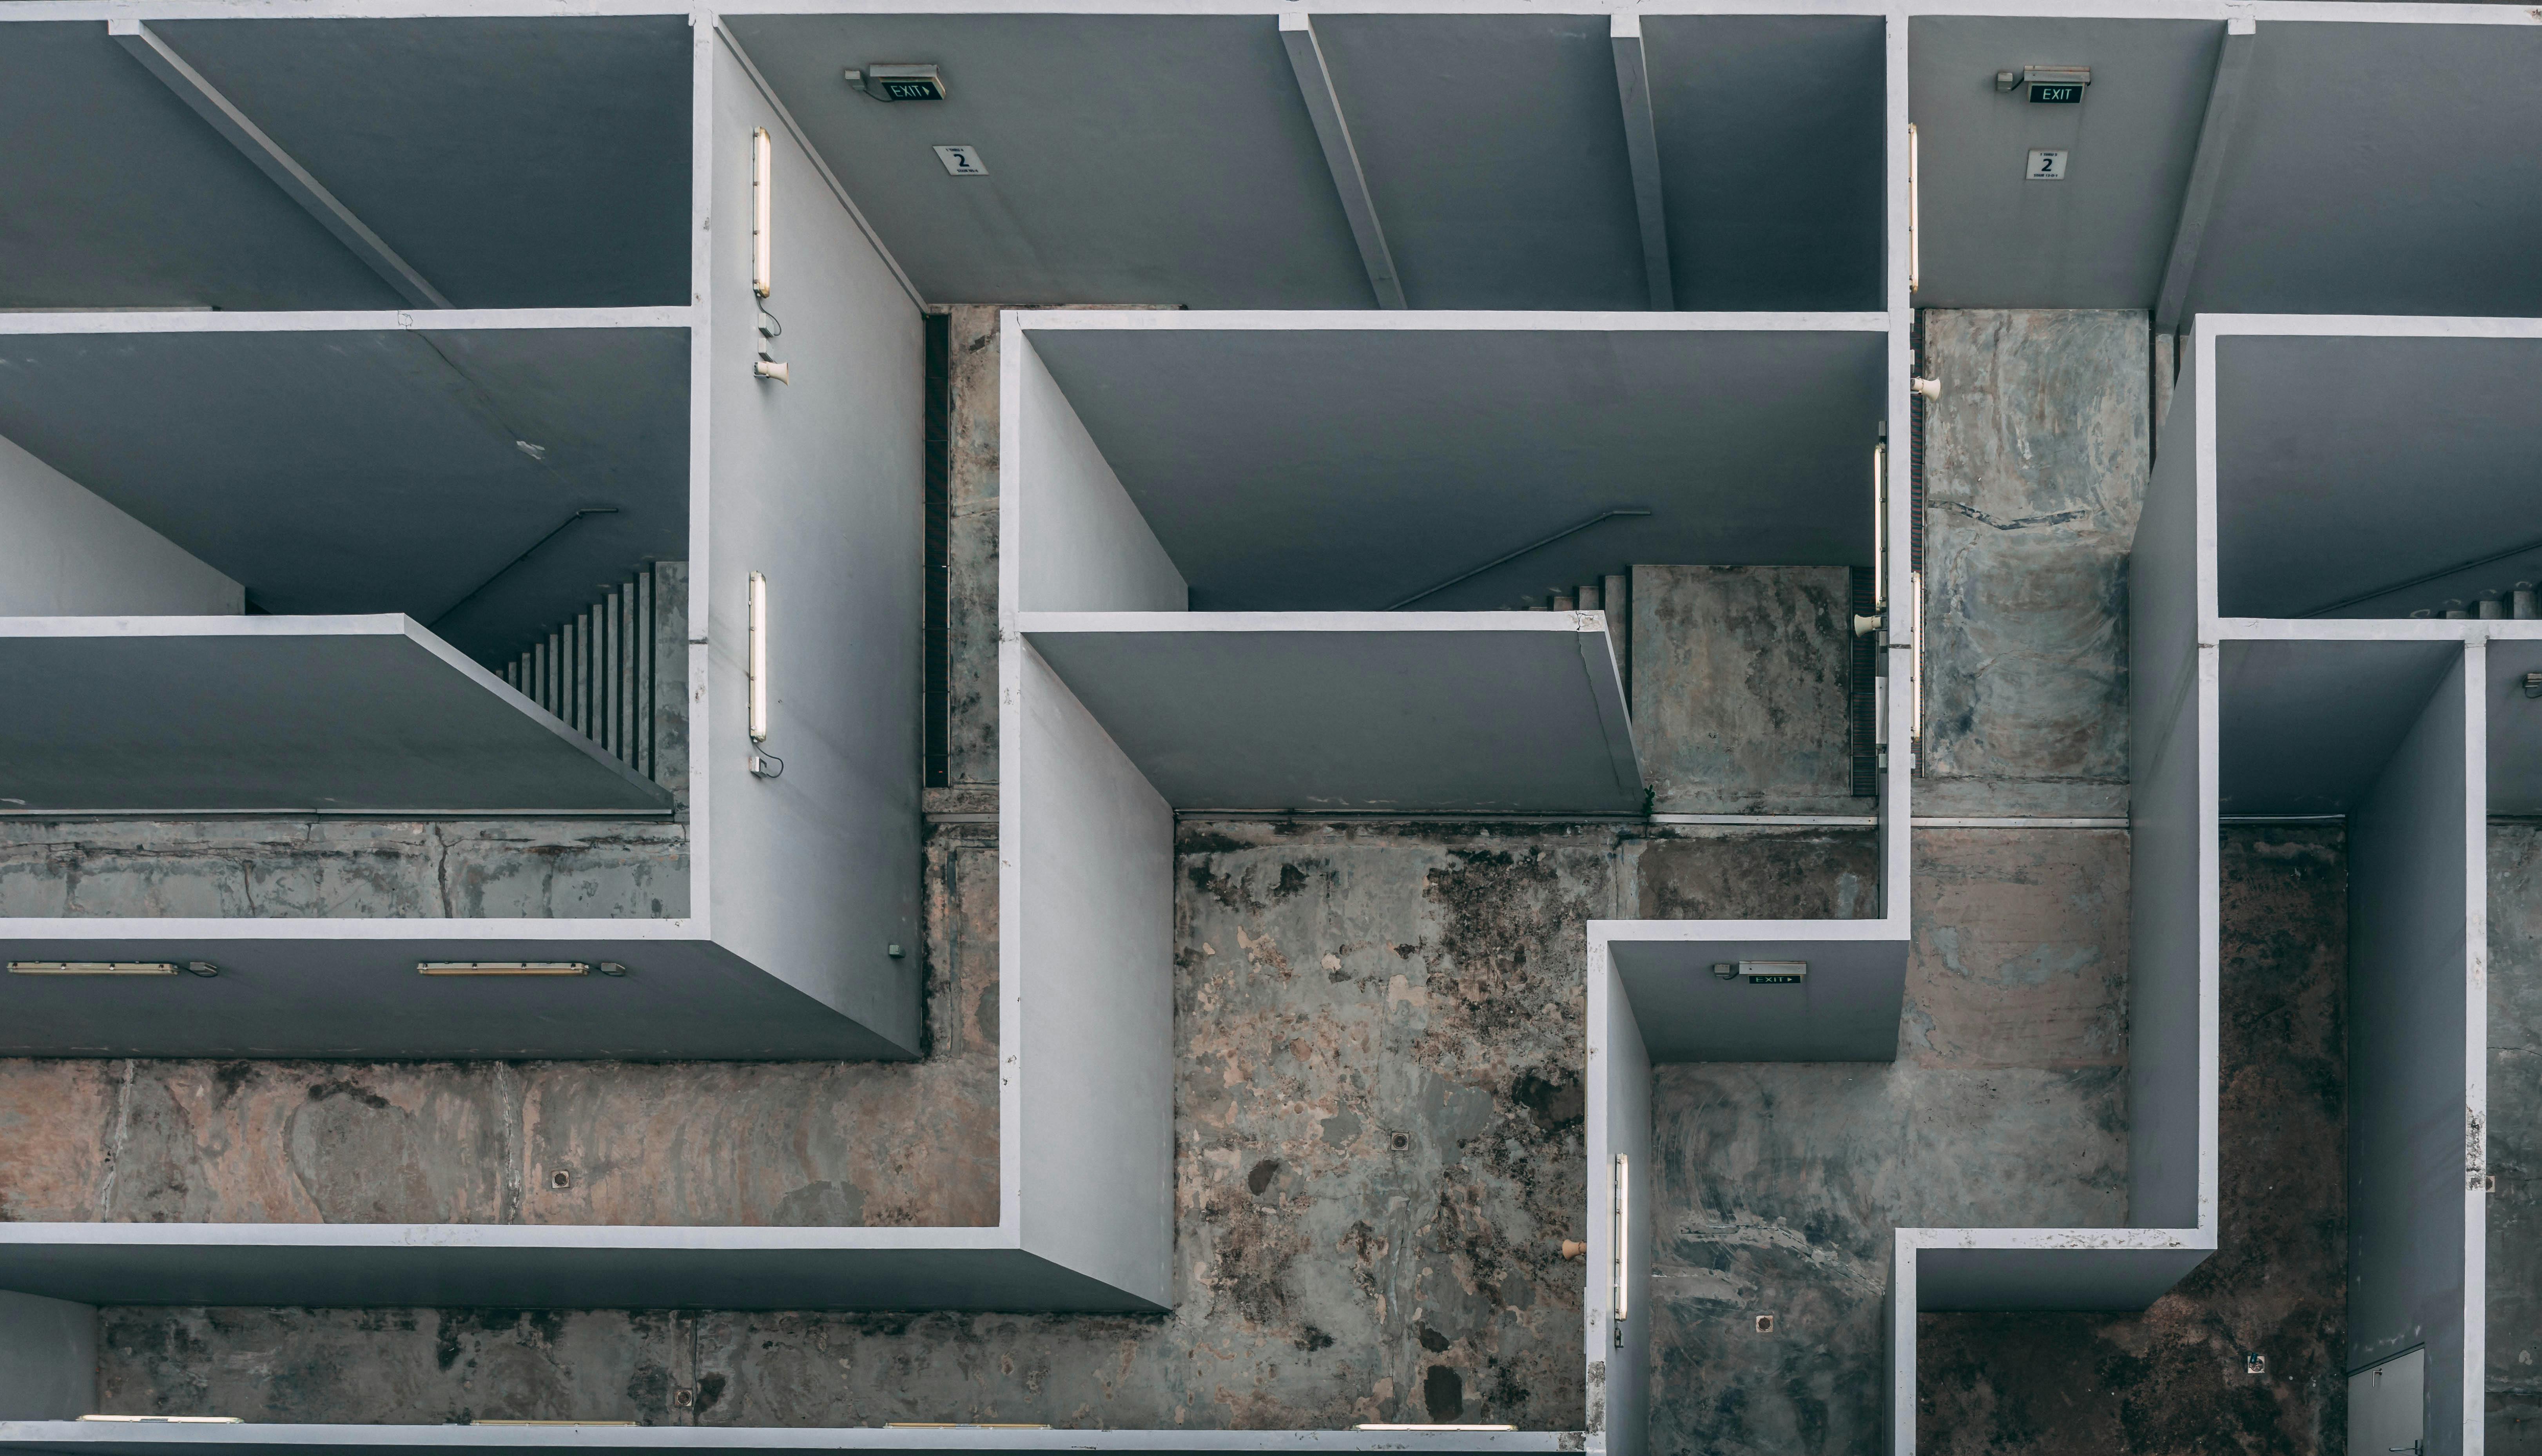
(92,968)
(1623,1224)
(1914,232)
(763,180)
(1880,524)
(758,657)
(503,967)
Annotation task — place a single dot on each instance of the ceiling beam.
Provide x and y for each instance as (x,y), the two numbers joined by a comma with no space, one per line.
(1642,146)
(2206,170)
(232,123)
(1315,84)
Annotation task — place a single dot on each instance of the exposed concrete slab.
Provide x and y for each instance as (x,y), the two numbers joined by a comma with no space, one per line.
(971,548)
(1741,688)
(2035,468)
(1719,873)
(91,1439)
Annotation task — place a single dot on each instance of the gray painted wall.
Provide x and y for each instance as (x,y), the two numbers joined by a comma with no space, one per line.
(819,485)
(66,552)
(1087,972)
(2171,745)
(2417,879)
(47,1358)
(1085,546)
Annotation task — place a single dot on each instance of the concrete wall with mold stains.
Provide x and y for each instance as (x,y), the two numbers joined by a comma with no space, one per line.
(2514,1374)
(1739,688)
(2035,465)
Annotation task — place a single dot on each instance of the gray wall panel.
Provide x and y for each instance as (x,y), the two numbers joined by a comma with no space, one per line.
(47,1358)
(1620,1122)
(2172,924)
(2418,916)
(1087,961)
(819,485)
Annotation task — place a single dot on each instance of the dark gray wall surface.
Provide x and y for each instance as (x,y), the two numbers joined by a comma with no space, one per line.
(1770,137)
(1845,1010)
(1484,721)
(2348,465)
(514,162)
(1494,149)
(1492,145)
(2413,864)
(1994,239)
(378,470)
(380,719)
(2358,180)
(1331,469)
(170,214)
(1216,196)
(2304,728)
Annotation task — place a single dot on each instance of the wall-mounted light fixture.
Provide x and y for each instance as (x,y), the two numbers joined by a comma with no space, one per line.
(761,764)
(763,183)
(1914,231)
(92,968)
(503,967)
(1621,1241)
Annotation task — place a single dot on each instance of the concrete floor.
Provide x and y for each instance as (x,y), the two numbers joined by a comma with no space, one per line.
(1377,1122)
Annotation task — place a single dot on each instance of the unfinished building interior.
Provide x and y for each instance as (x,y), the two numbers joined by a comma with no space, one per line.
(1690,728)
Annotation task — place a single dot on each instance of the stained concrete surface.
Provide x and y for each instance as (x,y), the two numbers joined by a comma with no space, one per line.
(1778,1182)
(1379,1149)
(285,869)
(1701,872)
(2514,1375)
(2173,1378)
(971,548)
(2036,459)
(482,1142)
(1740,678)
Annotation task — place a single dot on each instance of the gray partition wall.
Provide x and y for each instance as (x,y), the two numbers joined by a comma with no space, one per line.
(498,559)
(2329,692)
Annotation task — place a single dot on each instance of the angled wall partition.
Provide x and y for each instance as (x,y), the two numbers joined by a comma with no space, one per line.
(2327,477)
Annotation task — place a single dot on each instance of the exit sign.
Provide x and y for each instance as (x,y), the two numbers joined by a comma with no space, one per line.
(2055,93)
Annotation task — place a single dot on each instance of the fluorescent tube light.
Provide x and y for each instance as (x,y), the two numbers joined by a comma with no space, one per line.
(93,968)
(762,179)
(1437,1425)
(758,657)
(1621,1239)
(503,967)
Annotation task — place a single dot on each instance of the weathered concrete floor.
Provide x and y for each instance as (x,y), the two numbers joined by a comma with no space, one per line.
(2173,1379)
(1779,1183)
(2514,1424)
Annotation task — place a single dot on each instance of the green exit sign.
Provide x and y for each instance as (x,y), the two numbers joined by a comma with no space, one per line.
(2055,93)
